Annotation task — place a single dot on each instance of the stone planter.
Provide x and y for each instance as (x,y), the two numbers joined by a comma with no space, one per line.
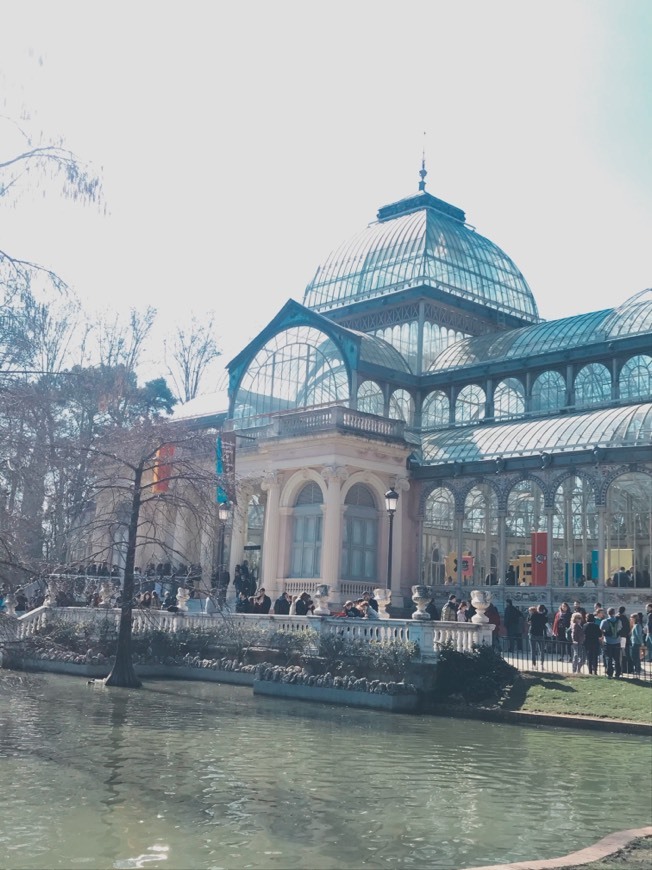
(480,599)
(384,598)
(422,596)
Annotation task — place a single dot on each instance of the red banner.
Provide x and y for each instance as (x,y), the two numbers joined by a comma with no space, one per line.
(539,558)
(162,470)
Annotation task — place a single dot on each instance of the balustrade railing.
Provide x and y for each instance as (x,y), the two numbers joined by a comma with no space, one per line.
(429,635)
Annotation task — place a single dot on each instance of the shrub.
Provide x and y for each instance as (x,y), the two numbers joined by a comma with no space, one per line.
(291,644)
(480,675)
(386,658)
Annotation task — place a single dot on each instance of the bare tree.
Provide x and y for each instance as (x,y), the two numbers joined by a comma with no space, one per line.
(129,473)
(189,355)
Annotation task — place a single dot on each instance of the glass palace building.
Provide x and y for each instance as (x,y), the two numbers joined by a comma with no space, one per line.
(520,449)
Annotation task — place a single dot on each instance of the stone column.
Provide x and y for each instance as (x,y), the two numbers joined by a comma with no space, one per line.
(502,545)
(270,572)
(402,486)
(331,544)
(602,568)
(459,535)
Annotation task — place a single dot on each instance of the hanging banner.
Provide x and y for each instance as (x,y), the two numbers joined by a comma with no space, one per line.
(162,471)
(539,558)
(225,467)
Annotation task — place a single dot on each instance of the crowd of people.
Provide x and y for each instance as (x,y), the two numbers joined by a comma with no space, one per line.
(609,638)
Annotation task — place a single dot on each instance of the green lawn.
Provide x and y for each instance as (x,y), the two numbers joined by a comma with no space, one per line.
(628,700)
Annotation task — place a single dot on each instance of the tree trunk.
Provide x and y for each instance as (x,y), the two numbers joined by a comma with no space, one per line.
(122,672)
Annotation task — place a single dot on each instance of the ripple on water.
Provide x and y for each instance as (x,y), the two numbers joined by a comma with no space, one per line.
(208,776)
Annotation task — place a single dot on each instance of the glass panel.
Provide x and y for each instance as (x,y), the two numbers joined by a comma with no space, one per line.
(548,393)
(509,399)
(629,531)
(470,404)
(480,545)
(575,534)
(435,412)
(401,406)
(526,521)
(438,523)
(592,385)
(297,368)
(635,380)
(370,398)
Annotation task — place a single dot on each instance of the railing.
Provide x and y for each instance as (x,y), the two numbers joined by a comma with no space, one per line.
(429,635)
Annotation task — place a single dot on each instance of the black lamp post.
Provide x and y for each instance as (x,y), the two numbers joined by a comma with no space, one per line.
(391,503)
(223,515)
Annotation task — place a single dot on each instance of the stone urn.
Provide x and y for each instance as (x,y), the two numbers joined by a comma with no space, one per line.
(480,599)
(321,601)
(51,592)
(106,593)
(422,596)
(384,598)
(182,598)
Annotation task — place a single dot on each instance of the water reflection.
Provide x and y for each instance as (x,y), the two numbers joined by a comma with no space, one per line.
(183,775)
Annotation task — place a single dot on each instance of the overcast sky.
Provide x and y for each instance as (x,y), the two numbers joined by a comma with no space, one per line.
(242,141)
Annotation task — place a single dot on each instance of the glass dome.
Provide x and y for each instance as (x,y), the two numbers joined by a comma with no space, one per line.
(633,317)
(421,240)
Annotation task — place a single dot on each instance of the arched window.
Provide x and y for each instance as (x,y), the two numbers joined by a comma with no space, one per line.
(370,398)
(629,529)
(470,404)
(548,393)
(592,385)
(509,399)
(635,380)
(480,544)
(438,522)
(435,411)
(360,534)
(305,558)
(401,406)
(296,368)
(575,532)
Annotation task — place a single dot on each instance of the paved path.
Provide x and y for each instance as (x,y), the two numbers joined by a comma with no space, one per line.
(606,846)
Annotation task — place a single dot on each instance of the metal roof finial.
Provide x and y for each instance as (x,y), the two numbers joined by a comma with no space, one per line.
(423,172)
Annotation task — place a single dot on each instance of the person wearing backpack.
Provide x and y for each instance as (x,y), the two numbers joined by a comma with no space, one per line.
(626,646)
(611,627)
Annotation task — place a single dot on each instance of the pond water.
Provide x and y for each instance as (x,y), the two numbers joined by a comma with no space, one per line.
(190,775)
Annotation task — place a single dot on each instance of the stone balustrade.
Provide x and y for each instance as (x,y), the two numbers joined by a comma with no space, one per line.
(429,635)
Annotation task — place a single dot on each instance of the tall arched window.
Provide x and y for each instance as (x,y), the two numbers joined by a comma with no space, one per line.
(435,411)
(360,534)
(575,532)
(469,407)
(370,398)
(305,558)
(635,380)
(438,523)
(629,528)
(592,385)
(401,406)
(509,399)
(548,393)
(480,545)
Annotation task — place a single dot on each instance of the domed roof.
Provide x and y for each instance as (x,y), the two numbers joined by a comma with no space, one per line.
(633,317)
(420,241)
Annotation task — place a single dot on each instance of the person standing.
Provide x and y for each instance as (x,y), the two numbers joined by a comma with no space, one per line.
(592,636)
(611,632)
(449,610)
(282,604)
(648,632)
(513,619)
(577,642)
(537,621)
(462,611)
(493,616)
(636,637)
(561,630)
(625,641)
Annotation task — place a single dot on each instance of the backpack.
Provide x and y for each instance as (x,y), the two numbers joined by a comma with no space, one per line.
(612,629)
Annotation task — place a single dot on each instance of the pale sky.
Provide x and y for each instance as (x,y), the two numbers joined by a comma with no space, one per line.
(242,141)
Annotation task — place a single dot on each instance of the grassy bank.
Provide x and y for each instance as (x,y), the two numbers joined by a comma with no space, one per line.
(598,697)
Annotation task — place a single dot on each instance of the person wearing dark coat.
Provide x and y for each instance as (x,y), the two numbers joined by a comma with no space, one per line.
(513,619)
(493,616)
(282,604)
(537,621)
(260,602)
(304,605)
(592,635)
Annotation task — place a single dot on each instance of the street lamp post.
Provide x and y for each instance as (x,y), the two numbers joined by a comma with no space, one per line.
(391,503)
(223,515)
